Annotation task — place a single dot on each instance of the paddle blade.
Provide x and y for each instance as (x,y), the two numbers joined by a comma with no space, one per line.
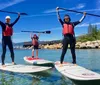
(48,32)
(23,14)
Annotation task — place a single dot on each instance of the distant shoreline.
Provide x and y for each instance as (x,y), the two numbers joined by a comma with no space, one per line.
(58,45)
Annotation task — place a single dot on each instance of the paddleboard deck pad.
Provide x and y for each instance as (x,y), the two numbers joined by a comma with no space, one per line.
(37,61)
(77,73)
(23,68)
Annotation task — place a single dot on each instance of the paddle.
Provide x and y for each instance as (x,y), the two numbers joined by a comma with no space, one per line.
(79,12)
(47,32)
(13,12)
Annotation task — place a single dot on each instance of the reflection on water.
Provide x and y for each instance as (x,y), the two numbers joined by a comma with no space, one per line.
(49,77)
(9,78)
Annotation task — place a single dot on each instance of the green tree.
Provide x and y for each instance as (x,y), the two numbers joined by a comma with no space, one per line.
(93,34)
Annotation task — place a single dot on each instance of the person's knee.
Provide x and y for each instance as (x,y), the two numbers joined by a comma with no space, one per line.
(12,52)
(32,50)
(72,46)
(64,48)
(4,52)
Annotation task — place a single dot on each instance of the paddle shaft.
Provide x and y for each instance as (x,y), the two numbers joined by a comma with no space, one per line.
(79,12)
(13,12)
(37,31)
(32,31)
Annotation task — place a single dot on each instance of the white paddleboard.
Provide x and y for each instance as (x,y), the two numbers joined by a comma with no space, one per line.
(23,68)
(77,73)
(37,61)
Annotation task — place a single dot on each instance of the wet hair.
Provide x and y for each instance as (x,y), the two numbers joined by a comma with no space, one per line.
(66,15)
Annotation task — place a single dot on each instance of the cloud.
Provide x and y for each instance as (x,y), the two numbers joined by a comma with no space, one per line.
(50,11)
(86,24)
(92,10)
(39,15)
(98,4)
(7,3)
(79,6)
(82,25)
(53,10)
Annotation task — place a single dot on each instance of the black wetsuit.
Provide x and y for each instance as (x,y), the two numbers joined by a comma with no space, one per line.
(69,39)
(7,41)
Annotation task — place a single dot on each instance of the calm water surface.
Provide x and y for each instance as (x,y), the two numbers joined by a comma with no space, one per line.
(88,58)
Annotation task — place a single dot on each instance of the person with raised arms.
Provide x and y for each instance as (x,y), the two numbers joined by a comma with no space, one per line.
(7,32)
(35,44)
(69,35)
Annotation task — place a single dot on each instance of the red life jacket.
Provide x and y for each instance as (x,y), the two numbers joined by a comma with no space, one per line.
(35,41)
(8,31)
(68,29)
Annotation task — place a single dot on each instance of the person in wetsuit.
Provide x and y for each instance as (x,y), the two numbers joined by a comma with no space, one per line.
(35,44)
(69,36)
(7,32)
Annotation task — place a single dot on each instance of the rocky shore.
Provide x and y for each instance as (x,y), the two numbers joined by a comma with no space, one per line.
(79,45)
(88,44)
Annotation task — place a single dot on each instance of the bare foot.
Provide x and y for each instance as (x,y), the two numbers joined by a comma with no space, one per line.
(60,65)
(32,56)
(75,64)
(13,63)
(65,62)
(36,57)
(3,66)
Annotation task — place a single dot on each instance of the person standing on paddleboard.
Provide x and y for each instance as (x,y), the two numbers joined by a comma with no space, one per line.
(35,44)
(69,36)
(7,32)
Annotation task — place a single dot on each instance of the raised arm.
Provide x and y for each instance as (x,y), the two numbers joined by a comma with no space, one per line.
(84,15)
(16,20)
(1,23)
(31,35)
(58,15)
(39,35)
(82,18)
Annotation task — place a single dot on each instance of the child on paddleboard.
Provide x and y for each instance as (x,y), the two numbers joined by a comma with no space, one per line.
(35,44)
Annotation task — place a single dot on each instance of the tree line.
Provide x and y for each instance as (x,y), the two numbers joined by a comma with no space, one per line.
(92,34)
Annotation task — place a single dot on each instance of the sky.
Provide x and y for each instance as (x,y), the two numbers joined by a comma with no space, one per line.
(42,17)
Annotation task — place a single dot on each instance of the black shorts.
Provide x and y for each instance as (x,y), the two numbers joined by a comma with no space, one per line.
(36,46)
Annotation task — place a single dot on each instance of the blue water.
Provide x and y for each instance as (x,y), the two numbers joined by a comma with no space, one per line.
(88,58)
